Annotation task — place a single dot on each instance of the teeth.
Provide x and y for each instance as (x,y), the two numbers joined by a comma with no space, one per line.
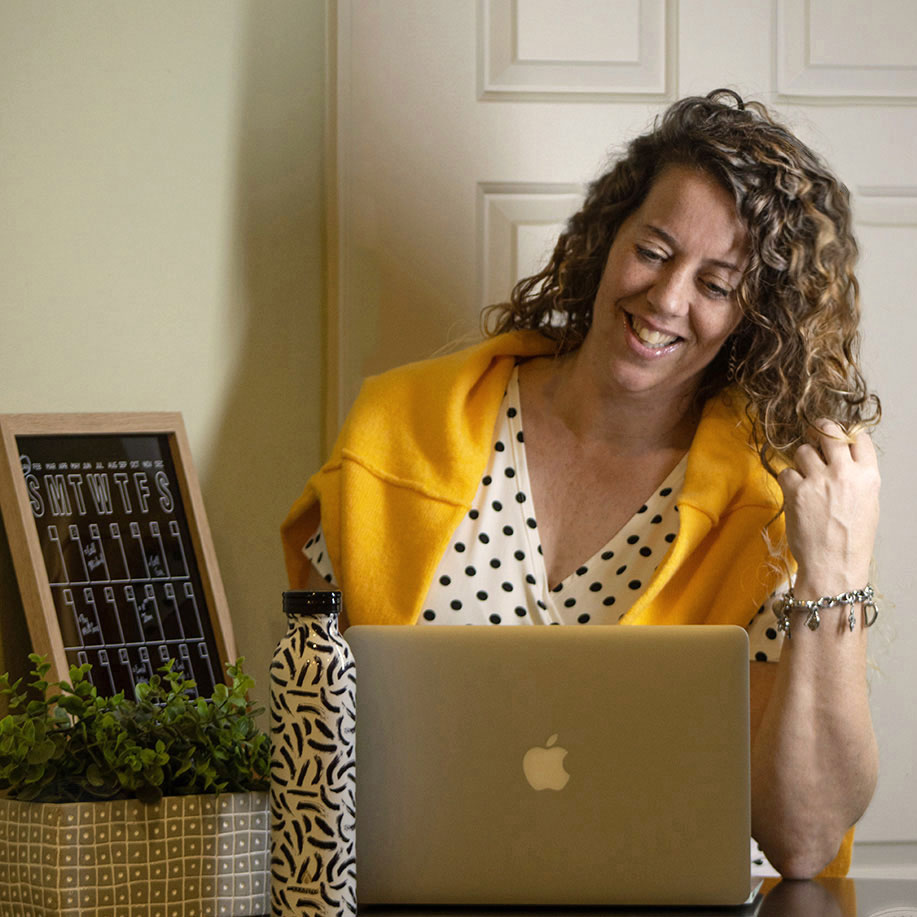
(649,336)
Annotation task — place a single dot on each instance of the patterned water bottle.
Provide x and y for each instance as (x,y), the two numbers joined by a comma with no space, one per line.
(313,780)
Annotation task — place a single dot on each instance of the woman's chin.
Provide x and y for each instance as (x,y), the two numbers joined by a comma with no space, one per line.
(652,379)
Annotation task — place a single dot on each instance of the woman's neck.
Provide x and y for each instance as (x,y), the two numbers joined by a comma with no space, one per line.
(594,410)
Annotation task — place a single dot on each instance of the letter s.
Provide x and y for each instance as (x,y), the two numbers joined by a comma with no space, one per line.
(38,505)
(165,495)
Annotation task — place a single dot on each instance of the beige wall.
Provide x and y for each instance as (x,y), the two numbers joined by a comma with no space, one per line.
(161,245)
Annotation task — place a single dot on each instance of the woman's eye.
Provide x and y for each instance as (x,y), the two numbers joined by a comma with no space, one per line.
(648,254)
(714,289)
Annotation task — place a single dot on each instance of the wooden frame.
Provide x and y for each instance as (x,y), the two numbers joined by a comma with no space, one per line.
(119,515)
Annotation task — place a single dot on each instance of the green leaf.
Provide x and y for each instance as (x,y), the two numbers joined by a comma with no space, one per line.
(64,742)
(42,752)
(73,705)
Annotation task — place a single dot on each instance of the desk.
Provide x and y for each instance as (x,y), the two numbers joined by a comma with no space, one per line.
(840,898)
(823,898)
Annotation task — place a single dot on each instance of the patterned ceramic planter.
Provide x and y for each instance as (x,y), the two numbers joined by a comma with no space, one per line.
(184,856)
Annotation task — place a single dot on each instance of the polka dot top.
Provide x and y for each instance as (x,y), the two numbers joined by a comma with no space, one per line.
(493,570)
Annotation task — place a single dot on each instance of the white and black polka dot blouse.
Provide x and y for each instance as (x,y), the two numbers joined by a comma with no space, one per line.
(493,570)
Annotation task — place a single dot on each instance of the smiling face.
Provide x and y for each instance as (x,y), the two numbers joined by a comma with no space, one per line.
(666,301)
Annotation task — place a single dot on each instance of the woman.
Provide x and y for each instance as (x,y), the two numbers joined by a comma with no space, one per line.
(685,369)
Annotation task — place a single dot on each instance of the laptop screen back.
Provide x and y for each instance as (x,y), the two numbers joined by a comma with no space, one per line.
(552,765)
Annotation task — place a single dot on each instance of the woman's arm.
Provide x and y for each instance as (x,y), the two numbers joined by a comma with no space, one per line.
(814,761)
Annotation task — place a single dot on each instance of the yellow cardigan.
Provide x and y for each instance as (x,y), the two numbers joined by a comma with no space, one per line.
(407,463)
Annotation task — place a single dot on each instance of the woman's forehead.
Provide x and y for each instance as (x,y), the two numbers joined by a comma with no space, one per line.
(689,208)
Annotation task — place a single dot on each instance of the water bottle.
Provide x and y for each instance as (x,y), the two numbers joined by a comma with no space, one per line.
(313,779)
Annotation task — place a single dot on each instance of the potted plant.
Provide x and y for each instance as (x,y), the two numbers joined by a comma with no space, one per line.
(151,805)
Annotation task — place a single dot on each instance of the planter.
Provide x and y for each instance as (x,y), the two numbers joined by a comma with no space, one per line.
(183,856)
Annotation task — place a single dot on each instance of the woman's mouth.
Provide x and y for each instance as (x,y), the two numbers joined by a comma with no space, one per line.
(650,337)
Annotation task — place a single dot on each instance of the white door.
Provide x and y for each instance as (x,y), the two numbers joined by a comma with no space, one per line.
(464,133)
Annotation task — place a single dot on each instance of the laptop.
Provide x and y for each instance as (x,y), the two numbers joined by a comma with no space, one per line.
(587,765)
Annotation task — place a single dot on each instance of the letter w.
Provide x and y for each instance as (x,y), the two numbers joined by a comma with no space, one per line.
(101,493)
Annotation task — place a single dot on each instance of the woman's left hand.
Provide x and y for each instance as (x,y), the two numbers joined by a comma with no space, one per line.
(832,508)
(814,758)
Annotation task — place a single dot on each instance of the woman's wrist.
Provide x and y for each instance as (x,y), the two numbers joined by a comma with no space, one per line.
(812,583)
(813,599)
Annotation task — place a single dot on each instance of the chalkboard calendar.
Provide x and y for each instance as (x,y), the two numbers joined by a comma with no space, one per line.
(108,529)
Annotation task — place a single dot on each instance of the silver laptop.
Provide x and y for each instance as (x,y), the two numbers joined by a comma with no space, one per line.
(552,765)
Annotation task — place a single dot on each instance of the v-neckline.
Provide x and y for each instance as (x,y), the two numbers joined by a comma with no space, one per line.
(673,480)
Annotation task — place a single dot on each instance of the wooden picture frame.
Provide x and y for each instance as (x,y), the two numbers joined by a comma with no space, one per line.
(111,548)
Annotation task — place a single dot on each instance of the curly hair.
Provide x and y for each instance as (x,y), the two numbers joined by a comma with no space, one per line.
(794,355)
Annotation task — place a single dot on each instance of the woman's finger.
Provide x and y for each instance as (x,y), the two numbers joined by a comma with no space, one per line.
(789,480)
(863,450)
(832,441)
(808,460)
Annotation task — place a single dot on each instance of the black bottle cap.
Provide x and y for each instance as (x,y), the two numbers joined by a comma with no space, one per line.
(303,602)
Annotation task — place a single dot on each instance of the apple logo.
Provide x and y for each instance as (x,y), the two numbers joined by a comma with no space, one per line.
(544,766)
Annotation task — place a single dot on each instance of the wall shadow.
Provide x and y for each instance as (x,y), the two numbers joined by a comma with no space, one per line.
(268,438)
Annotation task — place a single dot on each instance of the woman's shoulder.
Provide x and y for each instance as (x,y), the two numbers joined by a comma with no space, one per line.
(448,386)
(460,367)
(423,420)
(724,467)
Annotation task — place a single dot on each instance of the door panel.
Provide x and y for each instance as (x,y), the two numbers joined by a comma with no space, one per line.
(465,133)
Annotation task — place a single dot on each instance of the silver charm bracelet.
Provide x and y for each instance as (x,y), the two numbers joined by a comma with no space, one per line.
(787,603)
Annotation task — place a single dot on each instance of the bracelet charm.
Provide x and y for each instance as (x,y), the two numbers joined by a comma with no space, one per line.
(788,603)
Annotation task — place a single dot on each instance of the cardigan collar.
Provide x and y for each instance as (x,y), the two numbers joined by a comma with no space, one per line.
(435,436)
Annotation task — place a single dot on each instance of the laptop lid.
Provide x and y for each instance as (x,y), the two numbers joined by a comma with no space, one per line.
(552,765)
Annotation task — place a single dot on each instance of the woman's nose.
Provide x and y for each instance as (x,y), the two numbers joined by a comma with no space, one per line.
(670,294)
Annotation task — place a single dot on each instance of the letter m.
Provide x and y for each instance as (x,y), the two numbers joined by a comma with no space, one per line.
(56,489)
